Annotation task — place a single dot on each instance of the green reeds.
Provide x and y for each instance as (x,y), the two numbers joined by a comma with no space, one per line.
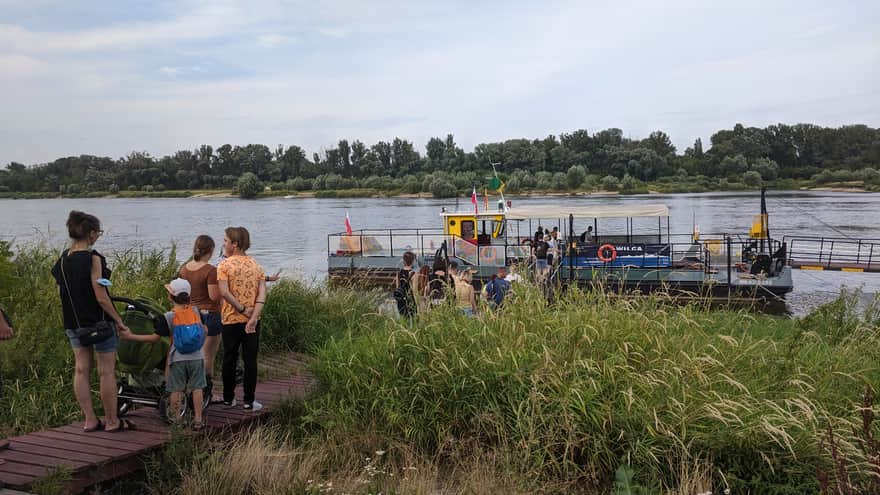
(576,389)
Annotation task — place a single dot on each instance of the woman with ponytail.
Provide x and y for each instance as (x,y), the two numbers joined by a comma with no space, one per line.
(202,276)
(83,276)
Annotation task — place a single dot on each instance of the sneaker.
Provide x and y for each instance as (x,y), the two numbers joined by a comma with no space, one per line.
(230,403)
(252,406)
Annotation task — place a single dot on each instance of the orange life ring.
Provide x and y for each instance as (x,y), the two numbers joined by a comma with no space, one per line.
(601,253)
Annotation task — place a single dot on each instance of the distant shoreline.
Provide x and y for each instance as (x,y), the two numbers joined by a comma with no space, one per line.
(374,193)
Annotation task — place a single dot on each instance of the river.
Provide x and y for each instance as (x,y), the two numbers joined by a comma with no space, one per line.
(291,234)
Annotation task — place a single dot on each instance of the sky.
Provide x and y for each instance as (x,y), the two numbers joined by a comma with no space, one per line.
(107,77)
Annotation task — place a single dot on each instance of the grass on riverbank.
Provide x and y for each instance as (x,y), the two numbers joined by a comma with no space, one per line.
(552,398)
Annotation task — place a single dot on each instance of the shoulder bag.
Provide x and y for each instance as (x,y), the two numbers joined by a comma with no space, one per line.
(95,334)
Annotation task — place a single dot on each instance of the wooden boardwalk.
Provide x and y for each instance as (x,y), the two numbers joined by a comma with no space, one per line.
(91,458)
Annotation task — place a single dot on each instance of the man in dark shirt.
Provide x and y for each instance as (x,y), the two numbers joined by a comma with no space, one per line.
(539,234)
(498,287)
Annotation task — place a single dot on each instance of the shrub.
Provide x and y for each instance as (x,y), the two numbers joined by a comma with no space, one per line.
(442,189)
(610,183)
(113,189)
(575,176)
(248,186)
(751,178)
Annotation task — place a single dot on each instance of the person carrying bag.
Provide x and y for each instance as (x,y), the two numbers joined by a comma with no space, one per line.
(90,320)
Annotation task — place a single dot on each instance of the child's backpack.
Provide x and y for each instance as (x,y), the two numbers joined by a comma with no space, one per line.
(187,330)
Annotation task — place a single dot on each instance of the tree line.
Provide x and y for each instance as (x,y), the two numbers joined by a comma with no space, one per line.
(746,155)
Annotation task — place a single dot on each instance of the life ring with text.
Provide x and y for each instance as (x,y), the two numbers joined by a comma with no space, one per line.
(607,253)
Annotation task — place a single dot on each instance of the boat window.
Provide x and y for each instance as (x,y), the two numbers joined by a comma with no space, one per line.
(498,228)
(467,229)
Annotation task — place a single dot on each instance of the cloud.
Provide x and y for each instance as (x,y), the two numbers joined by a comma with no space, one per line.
(333,32)
(169,71)
(271,40)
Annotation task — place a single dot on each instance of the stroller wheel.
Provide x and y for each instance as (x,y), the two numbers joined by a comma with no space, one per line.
(165,411)
(123,408)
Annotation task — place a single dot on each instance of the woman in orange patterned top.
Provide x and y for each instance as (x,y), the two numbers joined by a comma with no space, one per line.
(243,286)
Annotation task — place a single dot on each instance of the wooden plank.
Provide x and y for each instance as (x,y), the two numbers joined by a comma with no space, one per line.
(40,460)
(5,491)
(73,447)
(16,480)
(54,453)
(21,469)
(85,439)
(137,435)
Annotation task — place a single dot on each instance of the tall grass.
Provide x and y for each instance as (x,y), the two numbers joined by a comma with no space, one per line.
(572,391)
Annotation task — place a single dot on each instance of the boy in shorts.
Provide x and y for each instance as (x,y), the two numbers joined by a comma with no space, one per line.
(186,370)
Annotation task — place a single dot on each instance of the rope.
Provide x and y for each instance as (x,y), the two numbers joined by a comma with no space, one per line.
(807,212)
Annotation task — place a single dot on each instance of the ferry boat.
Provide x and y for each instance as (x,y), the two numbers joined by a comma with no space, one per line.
(749,265)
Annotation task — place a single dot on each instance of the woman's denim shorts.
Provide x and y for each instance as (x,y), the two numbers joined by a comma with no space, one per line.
(108,345)
(212,321)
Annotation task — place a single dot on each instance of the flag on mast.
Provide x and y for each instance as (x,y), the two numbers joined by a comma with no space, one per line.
(347,223)
(485,199)
(474,199)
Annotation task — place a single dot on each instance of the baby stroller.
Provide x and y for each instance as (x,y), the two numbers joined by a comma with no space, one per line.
(141,365)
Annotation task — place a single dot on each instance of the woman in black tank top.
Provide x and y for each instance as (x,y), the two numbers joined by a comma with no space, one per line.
(85,302)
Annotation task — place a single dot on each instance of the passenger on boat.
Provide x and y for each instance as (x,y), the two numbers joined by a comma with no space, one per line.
(453,270)
(465,295)
(539,251)
(439,283)
(552,247)
(498,287)
(539,234)
(403,294)
(419,284)
(587,236)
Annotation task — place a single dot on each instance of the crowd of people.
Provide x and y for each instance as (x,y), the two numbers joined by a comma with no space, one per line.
(418,290)
(210,304)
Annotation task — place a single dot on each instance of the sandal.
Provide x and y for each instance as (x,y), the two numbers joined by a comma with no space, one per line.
(98,427)
(124,424)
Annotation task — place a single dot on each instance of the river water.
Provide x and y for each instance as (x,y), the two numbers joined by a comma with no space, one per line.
(291,234)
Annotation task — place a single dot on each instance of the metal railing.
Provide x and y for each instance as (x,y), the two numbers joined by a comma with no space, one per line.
(712,251)
(834,252)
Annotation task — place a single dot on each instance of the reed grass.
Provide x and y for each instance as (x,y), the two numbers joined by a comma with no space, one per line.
(574,390)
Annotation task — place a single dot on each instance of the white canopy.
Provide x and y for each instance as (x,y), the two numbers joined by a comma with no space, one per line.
(604,211)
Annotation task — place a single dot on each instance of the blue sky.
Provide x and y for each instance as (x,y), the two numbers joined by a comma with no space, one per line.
(108,77)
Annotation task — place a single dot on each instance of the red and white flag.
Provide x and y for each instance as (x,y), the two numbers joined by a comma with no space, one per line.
(474,199)
(347,223)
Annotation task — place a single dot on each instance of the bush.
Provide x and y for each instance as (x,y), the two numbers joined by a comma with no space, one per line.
(575,176)
(113,189)
(249,186)
(751,178)
(132,187)
(610,183)
(443,189)
(147,188)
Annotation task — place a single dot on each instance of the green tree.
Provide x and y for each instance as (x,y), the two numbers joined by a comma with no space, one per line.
(751,178)
(575,176)
(248,185)
(610,183)
(441,188)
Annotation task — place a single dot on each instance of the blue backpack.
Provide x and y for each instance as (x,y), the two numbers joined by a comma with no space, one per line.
(187,330)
